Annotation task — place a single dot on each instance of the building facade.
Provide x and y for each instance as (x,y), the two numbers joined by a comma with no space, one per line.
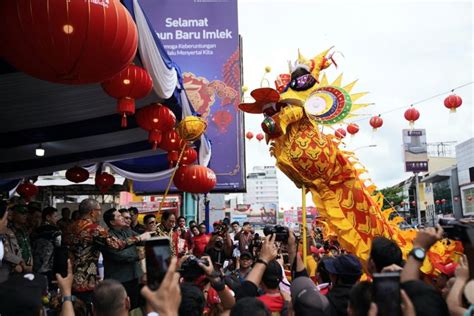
(465,168)
(262,186)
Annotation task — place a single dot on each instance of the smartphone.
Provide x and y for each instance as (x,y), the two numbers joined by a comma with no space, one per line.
(61,254)
(386,293)
(157,257)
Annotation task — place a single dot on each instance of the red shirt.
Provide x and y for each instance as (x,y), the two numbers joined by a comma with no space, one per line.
(274,303)
(200,242)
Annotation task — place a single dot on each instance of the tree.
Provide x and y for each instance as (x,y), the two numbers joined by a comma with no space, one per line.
(392,195)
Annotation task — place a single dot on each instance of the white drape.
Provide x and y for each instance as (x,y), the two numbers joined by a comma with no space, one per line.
(164,80)
(155,176)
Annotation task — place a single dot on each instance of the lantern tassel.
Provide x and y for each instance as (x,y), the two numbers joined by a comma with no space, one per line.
(124,120)
(155,145)
(181,154)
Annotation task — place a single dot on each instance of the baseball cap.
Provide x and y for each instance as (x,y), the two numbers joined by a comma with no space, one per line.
(306,298)
(246,254)
(20,208)
(344,265)
(22,294)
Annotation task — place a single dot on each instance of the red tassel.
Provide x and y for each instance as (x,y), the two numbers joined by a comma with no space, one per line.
(155,145)
(124,120)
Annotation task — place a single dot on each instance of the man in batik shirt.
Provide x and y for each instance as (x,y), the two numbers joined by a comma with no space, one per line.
(85,238)
(165,229)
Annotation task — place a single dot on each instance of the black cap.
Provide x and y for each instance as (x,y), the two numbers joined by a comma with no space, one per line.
(344,265)
(22,294)
(306,298)
(246,254)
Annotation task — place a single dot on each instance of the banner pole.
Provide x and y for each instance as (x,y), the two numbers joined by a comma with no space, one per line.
(303,230)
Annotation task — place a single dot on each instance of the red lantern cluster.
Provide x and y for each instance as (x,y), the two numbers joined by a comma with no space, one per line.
(195,179)
(249,135)
(260,137)
(27,190)
(411,115)
(77,174)
(104,181)
(376,122)
(157,119)
(340,133)
(452,102)
(128,85)
(71,42)
(352,128)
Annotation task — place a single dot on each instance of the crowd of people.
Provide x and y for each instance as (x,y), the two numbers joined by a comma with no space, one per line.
(229,271)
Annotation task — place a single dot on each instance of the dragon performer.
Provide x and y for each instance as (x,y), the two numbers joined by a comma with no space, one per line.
(294,116)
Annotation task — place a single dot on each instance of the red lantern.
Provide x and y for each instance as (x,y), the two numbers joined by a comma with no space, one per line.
(173,157)
(340,133)
(402,203)
(155,137)
(438,202)
(376,122)
(189,156)
(443,201)
(27,190)
(222,119)
(260,137)
(452,102)
(77,174)
(171,141)
(249,135)
(128,85)
(352,128)
(411,115)
(63,41)
(195,179)
(456,199)
(104,181)
(413,203)
(157,119)
(469,198)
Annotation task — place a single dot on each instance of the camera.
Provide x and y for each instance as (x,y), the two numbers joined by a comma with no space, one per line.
(220,228)
(458,230)
(190,269)
(281,232)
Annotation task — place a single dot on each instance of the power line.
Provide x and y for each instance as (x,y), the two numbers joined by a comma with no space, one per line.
(417,102)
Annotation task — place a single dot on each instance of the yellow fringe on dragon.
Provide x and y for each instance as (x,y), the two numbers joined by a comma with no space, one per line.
(294,112)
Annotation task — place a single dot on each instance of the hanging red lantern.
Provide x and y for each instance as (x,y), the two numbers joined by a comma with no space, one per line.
(171,141)
(77,174)
(443,201)
(249,135)
(222,119)
(402,203)
(104,181)
(340,133)
(438,202)
(27,190)
(411,115)
(469,198)
(376,122)
(260,137)
(189,156)
(155,137)
(157,119)
(195,179)
(413,203)
(452,102)
(353,128)
(173,157)
(456,199)
(128,85)
(63,41)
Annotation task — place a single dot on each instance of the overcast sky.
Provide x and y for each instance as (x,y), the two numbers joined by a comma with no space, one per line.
(401,52)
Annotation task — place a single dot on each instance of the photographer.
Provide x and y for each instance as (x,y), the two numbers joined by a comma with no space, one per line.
(219,249)
(244,237)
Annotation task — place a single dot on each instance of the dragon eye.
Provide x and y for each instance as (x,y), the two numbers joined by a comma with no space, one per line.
(315,104)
